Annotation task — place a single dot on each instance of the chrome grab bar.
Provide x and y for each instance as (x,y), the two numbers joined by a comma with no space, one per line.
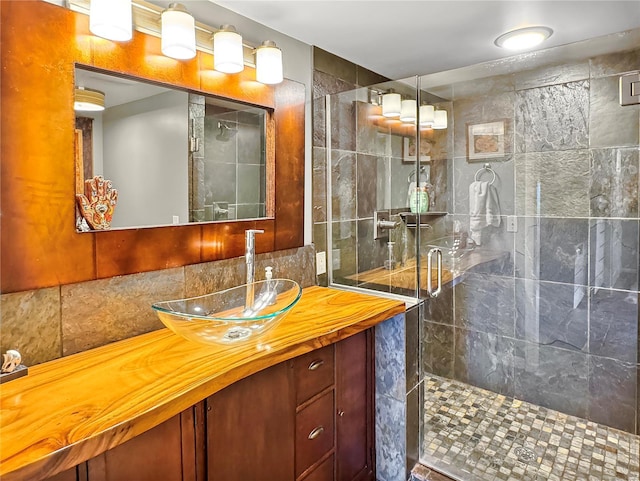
(438,290)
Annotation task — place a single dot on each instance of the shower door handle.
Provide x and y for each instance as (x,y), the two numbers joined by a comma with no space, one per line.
(430,290)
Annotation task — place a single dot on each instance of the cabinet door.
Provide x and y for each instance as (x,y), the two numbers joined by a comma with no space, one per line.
(166,453)
(354,407)
(77,473)
(250,428)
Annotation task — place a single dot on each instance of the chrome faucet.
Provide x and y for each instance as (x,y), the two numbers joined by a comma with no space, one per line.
(250,253)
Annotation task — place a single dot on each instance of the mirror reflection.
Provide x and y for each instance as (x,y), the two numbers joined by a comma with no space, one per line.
(172,156)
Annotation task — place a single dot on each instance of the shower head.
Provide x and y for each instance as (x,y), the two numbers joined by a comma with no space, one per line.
(226,132)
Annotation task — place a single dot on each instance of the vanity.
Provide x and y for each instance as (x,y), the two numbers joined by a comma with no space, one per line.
(295,404)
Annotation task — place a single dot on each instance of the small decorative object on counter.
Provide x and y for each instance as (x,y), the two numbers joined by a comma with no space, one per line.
(98,202)
(11,366)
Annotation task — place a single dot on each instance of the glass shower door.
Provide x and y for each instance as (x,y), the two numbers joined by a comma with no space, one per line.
(372,159)
(530,356)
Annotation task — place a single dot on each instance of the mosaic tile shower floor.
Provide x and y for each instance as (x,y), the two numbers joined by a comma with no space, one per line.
(476,435)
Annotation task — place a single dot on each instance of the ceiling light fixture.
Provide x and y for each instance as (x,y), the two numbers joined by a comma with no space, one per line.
(523,38)
(111,19)
(87,100)
(269,63)
(227,50)
(178,32)
(391,105)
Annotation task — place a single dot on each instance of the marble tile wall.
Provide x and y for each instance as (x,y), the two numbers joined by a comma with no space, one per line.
(49,323)
(333,75)
(233,166)
(367,170)
(557,323)
(390,397)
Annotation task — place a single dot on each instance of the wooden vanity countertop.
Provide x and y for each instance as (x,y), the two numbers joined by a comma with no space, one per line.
(69,410)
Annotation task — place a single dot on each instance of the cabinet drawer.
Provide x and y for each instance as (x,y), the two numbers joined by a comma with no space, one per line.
(313,372)
(324,472)
(314,432)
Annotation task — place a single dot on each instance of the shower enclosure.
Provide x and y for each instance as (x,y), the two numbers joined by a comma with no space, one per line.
(522,362)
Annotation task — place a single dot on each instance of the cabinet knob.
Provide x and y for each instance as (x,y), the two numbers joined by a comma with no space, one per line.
(315,364)
(340,413)
(316,432)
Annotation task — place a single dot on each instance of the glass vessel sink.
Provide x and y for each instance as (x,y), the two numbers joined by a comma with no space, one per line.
(223,317)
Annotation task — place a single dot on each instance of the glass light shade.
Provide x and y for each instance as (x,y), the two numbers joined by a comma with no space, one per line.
(427,115)
(111,19)
(408,111)
(269,63)
(440,119)
(391,105)
(178,33)
(86,100)
(523,38)
(227,50)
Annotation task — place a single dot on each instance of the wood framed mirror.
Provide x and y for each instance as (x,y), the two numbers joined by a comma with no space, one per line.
(39,243)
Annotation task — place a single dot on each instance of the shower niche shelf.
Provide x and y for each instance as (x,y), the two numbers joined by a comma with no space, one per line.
(411,219)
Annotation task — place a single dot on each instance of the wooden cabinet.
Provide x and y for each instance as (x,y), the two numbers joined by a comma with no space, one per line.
(307,419)
(250,428)
(164,453)
(354,408)
(314,376)
(313,372)
(77,473)
(323,472)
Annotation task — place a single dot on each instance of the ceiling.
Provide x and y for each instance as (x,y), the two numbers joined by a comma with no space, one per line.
(399,38)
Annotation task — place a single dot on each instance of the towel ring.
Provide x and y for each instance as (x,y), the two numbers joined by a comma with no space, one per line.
(486,168)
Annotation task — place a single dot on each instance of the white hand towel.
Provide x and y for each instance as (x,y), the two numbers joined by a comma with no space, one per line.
(484,209)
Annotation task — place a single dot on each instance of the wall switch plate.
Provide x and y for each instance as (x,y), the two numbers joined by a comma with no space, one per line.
(512,223)
(630,89)
(321,263)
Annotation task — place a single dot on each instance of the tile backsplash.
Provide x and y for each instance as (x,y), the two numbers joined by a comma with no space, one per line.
(49,323)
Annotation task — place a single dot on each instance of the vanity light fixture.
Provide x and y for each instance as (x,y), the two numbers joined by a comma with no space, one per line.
(523,38)
(391,105)
(111,19)
(440,119)
(180,35)
(227,50)
(87,100)
(427,117)
(178,32)
(408,111)
(269,63)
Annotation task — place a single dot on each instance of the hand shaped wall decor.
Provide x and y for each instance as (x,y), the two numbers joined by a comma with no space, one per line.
(98,202)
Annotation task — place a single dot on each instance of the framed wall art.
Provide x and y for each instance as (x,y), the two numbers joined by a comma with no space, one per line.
(485,141)
(409,150)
